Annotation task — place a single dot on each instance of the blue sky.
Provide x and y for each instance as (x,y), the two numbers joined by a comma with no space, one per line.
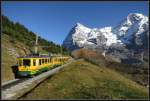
(54,20)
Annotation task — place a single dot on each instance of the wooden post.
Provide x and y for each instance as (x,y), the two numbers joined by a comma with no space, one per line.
(36,44)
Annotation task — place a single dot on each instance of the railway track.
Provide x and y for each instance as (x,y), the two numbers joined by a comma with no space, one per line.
(12,83)
(16,88)
(8,82)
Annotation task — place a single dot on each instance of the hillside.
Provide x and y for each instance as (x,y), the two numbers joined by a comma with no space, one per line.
(20,33)
(83,80)
(19,41)
(10,51)
(137,73)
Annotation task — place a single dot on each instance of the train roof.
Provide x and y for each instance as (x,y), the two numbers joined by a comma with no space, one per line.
(34,56)
(37,56)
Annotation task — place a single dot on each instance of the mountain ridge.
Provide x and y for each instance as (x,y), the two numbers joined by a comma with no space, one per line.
(129,36)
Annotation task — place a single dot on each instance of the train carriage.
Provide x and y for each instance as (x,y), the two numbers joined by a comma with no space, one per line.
(31,65)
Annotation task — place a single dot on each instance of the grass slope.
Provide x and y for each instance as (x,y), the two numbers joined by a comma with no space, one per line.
(83,80)
(137,73)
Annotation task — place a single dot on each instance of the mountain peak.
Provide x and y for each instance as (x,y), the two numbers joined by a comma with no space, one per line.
(137,16)
(133,24)
(81,27)
(79,24)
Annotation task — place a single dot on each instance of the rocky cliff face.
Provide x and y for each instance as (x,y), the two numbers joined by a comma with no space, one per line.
(129,39)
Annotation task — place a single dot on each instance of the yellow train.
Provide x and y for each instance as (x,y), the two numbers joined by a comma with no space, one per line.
(31,65)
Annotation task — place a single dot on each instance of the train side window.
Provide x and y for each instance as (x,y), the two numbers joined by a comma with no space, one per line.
(34,62)
(45,60)
(40,62)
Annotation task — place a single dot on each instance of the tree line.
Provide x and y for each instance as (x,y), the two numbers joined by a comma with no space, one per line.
(20,33)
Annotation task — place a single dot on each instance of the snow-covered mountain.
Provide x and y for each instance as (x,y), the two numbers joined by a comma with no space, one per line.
(134,25)
(81,36)
(130,34)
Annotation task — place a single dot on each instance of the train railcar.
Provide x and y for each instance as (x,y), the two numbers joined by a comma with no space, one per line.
(31,65)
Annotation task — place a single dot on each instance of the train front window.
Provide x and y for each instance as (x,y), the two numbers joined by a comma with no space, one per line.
(40,61)
(20,62)
(34,62)
(26,62)
(45,60)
